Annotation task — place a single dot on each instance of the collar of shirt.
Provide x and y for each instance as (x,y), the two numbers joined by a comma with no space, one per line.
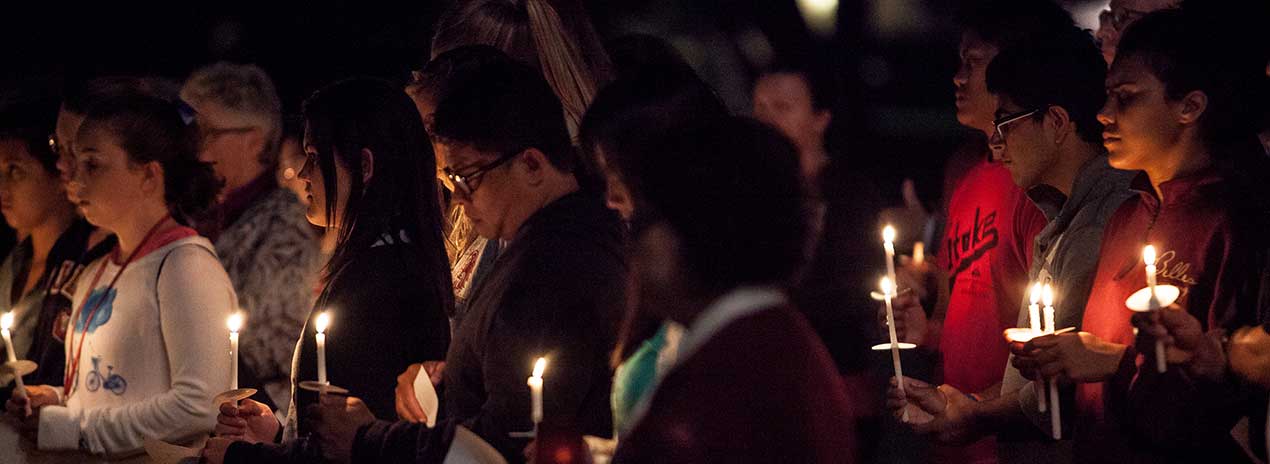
(736,304)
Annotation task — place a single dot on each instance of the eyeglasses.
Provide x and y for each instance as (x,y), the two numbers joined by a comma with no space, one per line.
(467,183)
(207,133)
(1119,18)
(1001,122)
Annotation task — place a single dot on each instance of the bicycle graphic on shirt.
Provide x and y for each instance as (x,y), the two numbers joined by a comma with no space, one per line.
(112,381)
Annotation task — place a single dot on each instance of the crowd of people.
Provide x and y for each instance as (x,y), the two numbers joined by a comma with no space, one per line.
(699,283)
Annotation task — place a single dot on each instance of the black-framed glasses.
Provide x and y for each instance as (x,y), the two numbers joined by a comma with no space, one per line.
(467,183)
(1002,122)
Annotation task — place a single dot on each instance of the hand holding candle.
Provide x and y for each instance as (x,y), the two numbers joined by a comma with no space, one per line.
(1148,256)
(323,320)
(535,391)
(6,322)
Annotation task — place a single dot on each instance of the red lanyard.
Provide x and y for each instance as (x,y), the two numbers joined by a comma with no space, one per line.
(72,367)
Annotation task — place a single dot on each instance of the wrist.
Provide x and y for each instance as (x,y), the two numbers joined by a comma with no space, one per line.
(1209,361)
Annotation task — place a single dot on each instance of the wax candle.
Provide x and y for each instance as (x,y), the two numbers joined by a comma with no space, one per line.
(888,243)
(323,320)
(1033,309)
(6,322)
(235,322)
(919,253)
(1148,256)
(1056,428)
(535,390)
(1047,298)
(888,289)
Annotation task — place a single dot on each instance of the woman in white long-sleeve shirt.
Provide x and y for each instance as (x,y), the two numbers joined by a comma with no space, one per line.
(146,346)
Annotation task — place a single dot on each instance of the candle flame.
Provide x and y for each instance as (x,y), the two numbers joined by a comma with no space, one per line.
(322,321)
(1036,293)
(888,234)
(540,366)
(1148,255)
(234,322)
(6,321)
(1047,295)
(887,286)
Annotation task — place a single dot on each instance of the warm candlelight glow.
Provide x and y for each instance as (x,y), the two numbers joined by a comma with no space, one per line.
(322,321)
(540,366)
(888,234)
(886,286)
(1047,295)
(1036,293)
(235,322)
(6,321)
(1148,255)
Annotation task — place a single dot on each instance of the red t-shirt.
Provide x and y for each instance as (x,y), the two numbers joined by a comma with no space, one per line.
(1199,251)
(986,250)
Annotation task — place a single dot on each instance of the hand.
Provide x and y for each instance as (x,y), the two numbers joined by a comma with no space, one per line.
(215,449)
(335,421)
(250,421)
(408,408)
(27,410)
(910,319)
(943,412)
(1185,342)
(1250,355)
(1077,357)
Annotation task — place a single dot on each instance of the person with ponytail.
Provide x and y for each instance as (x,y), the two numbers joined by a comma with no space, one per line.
(368,178)
(145,347)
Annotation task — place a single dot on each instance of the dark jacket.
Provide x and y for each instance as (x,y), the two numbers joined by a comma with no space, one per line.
(384,317)
(556,291)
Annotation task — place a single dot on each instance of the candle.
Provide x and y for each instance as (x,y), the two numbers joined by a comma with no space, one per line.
(1056,428)
(1148,256)
(6,322)
(320,324)
(234,323)
(888,288)
(888,243)
(919,253)
(1033,310)
(535,390)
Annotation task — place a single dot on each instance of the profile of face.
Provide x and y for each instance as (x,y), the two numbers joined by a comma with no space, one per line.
(975,105)
(226,138)
(426,105)
(499,187)
(67,127)
(29,193)
(617,196)
(108,184)
(1023,142)
(1139,120)
(314,186)
(1118,16)
(784,100)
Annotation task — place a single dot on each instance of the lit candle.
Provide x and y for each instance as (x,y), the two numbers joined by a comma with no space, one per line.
(888,289)
(535,390)
(888,243)
(320,324)
(235,322)
(919,253)
(6,322)
(1033,309)
(1148,256)
(1047,298)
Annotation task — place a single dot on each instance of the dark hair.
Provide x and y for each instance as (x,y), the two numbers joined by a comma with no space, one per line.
(30,121)
(637,53)
(640,107)
(438,78)
(1201,60)
(502,106)
(736,175)
(1009,23)
(555,37)
(371,114)
(1065,70)
(821,88)
(151,129)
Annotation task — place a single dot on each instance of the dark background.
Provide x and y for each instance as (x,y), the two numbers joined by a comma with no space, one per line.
(891,60)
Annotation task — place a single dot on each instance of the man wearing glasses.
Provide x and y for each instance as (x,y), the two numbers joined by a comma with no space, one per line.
(1114,20)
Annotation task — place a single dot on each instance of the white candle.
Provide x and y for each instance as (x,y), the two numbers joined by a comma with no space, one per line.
(235,322)
(1148,256)
(535,391)
(6,322)
(888,288)
(888,243)
(1033,309)
(323,320)
(1056,428)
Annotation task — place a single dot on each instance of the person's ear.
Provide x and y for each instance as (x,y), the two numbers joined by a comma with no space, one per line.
(368,166)
(152,177)
(1192,107)
(534,163)
(254,141)
(1059,122)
